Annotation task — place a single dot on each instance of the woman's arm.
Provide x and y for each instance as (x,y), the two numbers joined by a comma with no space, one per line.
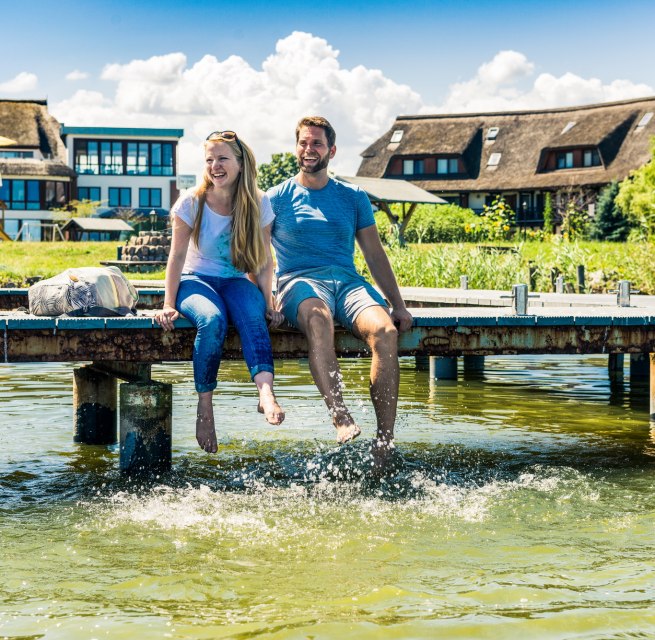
(179,245)
(265,282)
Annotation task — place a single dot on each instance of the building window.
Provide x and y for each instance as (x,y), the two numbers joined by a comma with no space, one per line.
(56,194)
(120,197)
(447,165)
(408,167)
(492,133)
(5,153)
(21,194)
(149,197)
(590,158)
(86,157)
(88,193)
(105,157)
(397,136)
(494,160)
(565,160)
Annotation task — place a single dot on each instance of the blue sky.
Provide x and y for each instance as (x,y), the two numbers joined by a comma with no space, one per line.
(360,63)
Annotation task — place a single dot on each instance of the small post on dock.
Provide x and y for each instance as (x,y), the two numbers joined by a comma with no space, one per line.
(146,426)
(520,299)
(559,284)
(443,368)
(463,282)
(94,406)
(615,366)
(581,279)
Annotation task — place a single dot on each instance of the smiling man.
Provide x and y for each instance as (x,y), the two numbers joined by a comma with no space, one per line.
(317,221)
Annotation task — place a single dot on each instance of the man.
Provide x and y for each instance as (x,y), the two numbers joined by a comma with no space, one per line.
(317,222)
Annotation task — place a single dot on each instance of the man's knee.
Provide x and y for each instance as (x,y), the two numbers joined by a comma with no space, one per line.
(383,338)
(314,319)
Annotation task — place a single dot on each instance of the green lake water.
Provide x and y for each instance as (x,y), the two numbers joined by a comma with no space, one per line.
(521,504)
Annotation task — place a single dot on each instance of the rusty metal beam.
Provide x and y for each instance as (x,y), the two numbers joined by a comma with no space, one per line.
(153,345)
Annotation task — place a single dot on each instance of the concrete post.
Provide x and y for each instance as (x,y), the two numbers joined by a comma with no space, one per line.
(639,365)
(146,426)
(615,366)
(473,364)
(422,363)
(94,406)
(443,368)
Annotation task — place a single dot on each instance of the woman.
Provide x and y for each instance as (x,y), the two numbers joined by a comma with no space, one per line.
(221,233)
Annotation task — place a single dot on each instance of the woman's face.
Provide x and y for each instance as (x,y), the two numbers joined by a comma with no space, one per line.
(221,165)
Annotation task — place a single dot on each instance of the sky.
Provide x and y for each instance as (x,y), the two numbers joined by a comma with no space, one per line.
(257,67)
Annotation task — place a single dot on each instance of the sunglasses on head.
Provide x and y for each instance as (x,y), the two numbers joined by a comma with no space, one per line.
(227,136)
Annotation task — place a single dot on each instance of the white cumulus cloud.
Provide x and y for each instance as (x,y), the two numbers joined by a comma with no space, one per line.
(303,76)
(23,82)
(77,75)
(505,84)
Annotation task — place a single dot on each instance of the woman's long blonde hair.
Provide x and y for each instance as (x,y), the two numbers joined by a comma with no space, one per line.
(247,249)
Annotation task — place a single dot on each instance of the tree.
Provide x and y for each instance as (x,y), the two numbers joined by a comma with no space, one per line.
(609,223)
(282,166)
(76,209)
(572,208)
(636,197)
(549,219)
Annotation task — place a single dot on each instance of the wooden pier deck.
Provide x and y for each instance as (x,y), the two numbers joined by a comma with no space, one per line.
(464,323)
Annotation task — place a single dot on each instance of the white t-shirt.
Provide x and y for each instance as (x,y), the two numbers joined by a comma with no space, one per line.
(212,255)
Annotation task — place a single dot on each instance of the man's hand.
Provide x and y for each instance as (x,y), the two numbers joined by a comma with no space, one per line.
(402,318)
(275,318)
(166,317)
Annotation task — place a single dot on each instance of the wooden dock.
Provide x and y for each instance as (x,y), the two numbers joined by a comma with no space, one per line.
(469,323)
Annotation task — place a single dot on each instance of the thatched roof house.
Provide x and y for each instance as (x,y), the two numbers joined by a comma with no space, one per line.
(471,158)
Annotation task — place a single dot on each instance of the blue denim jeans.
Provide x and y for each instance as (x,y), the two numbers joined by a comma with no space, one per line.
(211,303)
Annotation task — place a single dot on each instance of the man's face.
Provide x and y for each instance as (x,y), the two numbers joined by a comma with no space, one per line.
(312,150)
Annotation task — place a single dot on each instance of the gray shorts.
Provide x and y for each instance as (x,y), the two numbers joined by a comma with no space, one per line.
(346,294)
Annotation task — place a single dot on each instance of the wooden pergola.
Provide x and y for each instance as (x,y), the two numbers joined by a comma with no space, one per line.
(383,192)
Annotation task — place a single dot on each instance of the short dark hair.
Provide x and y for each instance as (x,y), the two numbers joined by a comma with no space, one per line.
(318,121)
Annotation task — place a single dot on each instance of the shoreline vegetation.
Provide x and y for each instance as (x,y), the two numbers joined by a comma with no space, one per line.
(488,266)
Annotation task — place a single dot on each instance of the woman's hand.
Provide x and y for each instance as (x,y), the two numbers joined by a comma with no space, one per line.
(275,318)
(166,317)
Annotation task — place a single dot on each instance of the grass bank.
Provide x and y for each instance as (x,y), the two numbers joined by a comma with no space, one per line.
(22,260)
(426,265)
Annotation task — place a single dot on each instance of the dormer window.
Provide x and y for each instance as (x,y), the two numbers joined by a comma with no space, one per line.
(413,167)
(590,158)
(565,160)
(10,153)
(447,165)
(426,166)
(492,132)
(573,159)
(396,136)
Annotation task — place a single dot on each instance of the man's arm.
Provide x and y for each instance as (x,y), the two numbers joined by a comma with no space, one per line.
(368,240)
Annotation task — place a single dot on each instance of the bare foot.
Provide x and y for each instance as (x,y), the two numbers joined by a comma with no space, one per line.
(346,427)
(381,452)
(205,429)
(270,408)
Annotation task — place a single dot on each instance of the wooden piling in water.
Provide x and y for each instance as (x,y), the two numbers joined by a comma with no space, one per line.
(146,427)
(615,366)
(94,406)
(652,387)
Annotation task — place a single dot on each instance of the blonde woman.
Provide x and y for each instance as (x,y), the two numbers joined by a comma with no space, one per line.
(221,233)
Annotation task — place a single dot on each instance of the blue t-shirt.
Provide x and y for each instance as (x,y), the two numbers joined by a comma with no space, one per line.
(316,228)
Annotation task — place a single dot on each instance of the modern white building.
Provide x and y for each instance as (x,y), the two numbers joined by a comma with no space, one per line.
(124,168)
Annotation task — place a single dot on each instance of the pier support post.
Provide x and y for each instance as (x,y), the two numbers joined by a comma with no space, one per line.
(94,406)
(473,364)
(422,363)
(639,365)
(615,366)
(146,426)
(443,368)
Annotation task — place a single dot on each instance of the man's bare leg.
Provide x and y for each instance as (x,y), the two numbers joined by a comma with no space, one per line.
(315,321)
(267,403)
(375,327)
(205,429)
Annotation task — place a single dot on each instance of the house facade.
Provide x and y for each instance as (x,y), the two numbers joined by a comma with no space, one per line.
(124,168)
(34,175)
(470,159)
